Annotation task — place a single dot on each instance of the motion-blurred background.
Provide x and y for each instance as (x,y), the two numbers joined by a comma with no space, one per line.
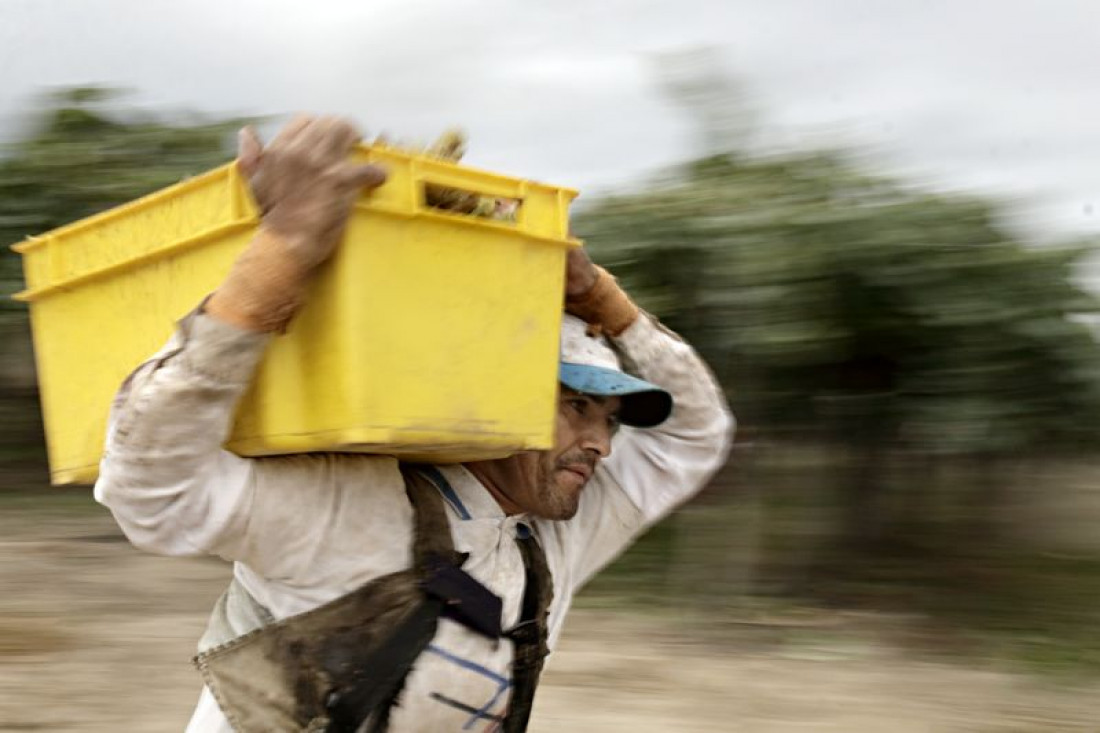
(875,220)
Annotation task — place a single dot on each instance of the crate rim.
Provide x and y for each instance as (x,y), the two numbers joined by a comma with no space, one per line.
(36,241)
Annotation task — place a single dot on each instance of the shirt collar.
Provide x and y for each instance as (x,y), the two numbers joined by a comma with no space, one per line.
(469,498)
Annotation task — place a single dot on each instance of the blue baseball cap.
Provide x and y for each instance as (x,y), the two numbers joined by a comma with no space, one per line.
(590,366)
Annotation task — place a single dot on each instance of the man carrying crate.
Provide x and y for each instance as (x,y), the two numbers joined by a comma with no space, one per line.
(373,595)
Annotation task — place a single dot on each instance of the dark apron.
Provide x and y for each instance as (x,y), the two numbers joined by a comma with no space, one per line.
(339,667)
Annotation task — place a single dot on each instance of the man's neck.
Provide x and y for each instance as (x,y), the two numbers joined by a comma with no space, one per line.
(494,476)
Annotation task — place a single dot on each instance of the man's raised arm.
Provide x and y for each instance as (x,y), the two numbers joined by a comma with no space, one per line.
(650,470)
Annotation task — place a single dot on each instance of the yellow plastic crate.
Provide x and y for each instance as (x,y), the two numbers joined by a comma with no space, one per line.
(430,335)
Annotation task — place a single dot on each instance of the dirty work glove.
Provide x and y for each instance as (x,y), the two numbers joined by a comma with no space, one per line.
(304,187)
(593,295)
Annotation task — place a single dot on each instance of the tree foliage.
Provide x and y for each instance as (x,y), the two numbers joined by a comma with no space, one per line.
(829,298)
(85,152)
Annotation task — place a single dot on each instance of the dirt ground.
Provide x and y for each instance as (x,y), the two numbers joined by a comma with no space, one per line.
(96,636)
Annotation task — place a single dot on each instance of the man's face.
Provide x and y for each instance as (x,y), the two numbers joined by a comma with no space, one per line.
(548,484)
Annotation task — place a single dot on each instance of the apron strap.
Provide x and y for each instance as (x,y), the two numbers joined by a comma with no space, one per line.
(431,532)
(529,636)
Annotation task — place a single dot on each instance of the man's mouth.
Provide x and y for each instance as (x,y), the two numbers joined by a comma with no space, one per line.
(581,471)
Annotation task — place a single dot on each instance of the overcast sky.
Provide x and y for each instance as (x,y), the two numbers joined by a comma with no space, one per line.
(989,94)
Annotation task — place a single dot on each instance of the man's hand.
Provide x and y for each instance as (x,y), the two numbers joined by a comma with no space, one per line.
(592,294)
(305,188)
(304,184)
(580,273)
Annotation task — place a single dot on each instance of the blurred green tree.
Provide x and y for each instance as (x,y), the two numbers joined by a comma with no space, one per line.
(858,311)
(84,152)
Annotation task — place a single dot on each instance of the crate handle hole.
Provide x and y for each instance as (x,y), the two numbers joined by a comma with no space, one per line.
(468,202)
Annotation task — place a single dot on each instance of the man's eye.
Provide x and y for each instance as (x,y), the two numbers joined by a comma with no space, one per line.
(579,405)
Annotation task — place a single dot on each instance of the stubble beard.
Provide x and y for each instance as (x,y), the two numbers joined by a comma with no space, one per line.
(556,502)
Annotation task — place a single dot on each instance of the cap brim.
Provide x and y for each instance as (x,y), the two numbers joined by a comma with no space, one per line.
(644,405)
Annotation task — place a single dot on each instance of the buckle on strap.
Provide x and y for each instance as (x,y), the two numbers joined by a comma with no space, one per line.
(530,644)
(525,632)
(465,600)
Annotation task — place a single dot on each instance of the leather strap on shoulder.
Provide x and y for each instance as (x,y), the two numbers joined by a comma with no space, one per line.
(432,531)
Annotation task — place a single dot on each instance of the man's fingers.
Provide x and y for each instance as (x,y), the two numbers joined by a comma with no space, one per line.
(580,272)
(335,136)
(577,259)
(292,129)
(249,151)
(364,176)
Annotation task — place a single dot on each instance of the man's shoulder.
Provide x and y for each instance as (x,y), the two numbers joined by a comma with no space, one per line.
(319,475)
(329,520)
(367,463)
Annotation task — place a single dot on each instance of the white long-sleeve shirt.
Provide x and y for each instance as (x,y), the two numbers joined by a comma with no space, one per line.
(305,529)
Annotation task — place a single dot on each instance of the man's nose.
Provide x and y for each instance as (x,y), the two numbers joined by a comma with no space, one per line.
(597,438)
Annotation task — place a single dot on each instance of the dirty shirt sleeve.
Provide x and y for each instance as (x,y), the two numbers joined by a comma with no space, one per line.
(165,476)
